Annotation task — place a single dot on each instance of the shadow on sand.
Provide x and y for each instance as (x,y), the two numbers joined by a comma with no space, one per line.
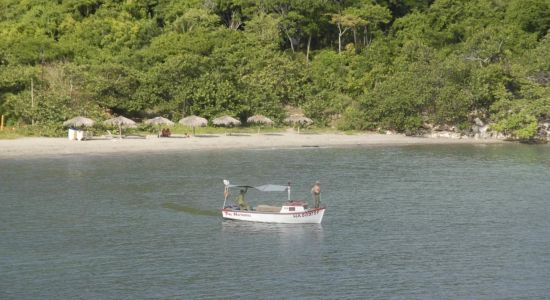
(206,136)
(175,137)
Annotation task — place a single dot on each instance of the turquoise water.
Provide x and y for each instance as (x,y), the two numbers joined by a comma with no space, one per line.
(436,222)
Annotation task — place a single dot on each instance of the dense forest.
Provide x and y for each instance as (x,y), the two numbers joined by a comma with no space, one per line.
(353,64)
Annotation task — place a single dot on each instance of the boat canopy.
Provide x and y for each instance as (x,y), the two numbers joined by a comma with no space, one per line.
(262,188)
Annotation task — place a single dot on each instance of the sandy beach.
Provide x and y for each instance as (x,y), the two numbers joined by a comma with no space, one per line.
(39,147)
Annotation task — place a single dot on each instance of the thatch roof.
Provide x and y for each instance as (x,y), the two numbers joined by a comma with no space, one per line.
(297,119)
(79,122)
(259,119)
(120,121)
(226,121)
(193,121)
(159,121)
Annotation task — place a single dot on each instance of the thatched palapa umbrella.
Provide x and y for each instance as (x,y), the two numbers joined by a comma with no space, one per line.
(300,120)
(297,119)
(79,122)
(159,121)
(226,121)
(194,121)
(259,119)
(121,122)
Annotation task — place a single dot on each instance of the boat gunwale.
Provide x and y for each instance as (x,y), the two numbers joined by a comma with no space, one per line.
(273,213)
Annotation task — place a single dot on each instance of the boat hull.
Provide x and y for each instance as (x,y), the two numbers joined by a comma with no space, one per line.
(314,216)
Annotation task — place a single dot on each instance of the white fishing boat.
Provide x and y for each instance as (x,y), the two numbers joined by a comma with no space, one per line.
(291,211)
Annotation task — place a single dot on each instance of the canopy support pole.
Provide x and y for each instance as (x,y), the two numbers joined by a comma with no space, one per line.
(288,191)
(225,191)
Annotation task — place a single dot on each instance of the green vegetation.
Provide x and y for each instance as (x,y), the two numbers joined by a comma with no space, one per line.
(355,64)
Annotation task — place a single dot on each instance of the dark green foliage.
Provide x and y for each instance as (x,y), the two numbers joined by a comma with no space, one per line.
(354,64)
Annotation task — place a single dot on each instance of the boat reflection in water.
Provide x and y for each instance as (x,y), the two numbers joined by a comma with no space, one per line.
(286,233)
(296,246)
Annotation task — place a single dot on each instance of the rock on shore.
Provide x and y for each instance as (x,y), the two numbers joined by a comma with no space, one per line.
(479,130)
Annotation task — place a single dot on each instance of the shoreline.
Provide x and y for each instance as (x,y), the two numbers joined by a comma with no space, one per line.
(33,147)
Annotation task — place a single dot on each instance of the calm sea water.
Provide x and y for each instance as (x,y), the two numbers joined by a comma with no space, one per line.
(429,222)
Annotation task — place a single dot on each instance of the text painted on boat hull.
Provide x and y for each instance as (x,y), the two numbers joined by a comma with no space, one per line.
(306,214)
(236,214)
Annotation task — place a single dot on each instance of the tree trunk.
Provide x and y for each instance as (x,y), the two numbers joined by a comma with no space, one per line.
(183,109)
(32,100)
(290,40)
(340,34)
(340,42)
(308,46)
(233,23)
(367,39)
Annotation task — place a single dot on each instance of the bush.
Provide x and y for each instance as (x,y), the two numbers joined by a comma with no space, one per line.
(519,125)
(353,119)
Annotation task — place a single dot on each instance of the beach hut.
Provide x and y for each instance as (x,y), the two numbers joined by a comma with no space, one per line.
(121,122)
(298,120)
(193,121)
(259,119)
(76,125)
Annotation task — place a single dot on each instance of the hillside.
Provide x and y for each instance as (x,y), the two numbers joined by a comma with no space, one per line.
(356,64)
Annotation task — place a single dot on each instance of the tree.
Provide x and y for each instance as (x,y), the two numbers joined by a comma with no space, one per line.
(373,15)
(344,22)
(530,15)
(193,18)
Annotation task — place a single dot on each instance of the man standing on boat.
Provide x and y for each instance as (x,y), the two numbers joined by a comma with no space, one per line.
(316,193)
(242,202)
